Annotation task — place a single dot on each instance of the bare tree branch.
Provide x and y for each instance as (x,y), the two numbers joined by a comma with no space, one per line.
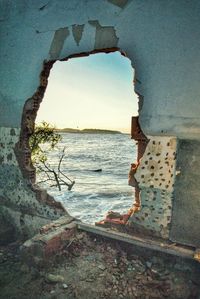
(45,133)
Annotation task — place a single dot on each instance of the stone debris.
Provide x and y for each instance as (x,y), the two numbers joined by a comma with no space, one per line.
(115,218)
(65,286)
(92,267)
(54,278)
(102,267)
(52,292)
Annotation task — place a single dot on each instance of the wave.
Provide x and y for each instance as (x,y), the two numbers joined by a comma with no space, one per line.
(94,193)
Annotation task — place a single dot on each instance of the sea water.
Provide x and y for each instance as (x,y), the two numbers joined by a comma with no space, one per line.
(94,193)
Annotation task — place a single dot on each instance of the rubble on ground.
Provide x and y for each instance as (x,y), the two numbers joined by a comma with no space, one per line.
(91,267)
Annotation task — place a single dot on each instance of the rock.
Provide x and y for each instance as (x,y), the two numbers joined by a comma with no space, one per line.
(65,286)
(97,170)
(52,292)
(102,267)
(51,278)
(80,236)
(89,279)
(113,215)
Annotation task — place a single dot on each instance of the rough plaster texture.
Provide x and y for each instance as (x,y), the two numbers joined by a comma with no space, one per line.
(157,166)
(154,218)
(161,38)
(18,201)
(155,176)
(186,205)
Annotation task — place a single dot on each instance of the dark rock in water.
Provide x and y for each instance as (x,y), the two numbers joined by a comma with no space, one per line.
(97,170)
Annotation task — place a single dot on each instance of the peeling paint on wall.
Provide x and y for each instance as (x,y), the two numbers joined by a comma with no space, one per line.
(58,42)
(105,36)
(77,31)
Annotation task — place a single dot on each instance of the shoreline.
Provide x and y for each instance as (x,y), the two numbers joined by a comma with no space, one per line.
(88,131)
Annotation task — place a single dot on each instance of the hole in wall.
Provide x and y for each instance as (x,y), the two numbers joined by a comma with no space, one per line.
(92,93)
(91,215)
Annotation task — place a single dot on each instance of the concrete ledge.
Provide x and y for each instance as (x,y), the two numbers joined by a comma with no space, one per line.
(164,247)
(57,236)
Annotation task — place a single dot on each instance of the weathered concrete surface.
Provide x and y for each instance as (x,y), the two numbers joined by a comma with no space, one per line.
(142,243)
(186,202)
(154,217)
(155,177)
(161,38)
(19,203)
(156,36)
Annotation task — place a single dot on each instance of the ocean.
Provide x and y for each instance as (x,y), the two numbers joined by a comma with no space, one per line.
(94,193)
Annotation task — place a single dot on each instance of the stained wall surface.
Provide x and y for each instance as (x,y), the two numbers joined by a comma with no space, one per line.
(155,176)
(161,38)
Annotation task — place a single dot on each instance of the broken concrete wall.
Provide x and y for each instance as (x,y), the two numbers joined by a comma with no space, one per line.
(162,41)
(155,176)
(19,200)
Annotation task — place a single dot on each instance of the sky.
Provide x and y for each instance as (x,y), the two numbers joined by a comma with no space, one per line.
(90,92)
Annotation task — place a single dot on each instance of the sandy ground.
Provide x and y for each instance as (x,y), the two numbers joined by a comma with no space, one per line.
(90,267)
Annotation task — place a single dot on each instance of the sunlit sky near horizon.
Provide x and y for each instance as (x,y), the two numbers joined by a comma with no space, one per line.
(90,92)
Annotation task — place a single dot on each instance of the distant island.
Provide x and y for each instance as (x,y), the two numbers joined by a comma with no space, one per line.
(88,131)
